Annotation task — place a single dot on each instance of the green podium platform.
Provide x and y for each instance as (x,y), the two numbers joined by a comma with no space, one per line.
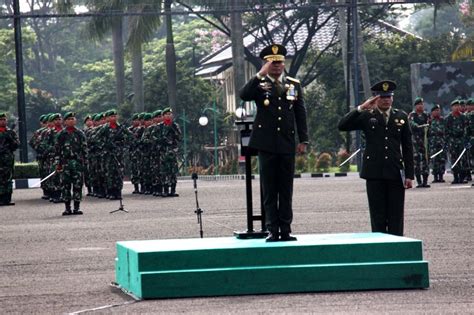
(230,266)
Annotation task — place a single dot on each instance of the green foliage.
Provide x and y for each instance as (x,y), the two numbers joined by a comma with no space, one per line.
(26,170)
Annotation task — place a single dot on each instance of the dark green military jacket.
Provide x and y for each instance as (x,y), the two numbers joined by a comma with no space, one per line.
(276,122)
(389,147)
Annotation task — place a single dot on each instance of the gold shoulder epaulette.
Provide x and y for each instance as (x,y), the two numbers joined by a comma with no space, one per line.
(293,79)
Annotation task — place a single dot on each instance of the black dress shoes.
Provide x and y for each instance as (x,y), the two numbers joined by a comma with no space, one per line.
(287,238)
(272,238)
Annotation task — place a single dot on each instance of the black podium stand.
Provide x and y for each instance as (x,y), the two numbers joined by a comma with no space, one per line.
(248,153)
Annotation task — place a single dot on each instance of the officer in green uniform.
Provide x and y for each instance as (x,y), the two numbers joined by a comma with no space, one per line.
(387,163)
(437,143)
(71,157)
(156,155)
(419,123)
(281,115)
(8,144)
(50,138)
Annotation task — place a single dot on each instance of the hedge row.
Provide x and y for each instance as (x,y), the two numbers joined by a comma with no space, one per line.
(26,170)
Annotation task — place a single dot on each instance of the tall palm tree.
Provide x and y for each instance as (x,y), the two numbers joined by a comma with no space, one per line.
(141,29)
(99,28)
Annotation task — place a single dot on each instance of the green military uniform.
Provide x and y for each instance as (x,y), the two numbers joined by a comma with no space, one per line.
(133,154)
(436,143)
(35,144)
(457,139)
(114,136)
(470,117)
(87,171)
(156,155)
(8,144)
(53,184)
(387,159)
(281,115)
(71,159)
(146,147)
(170,139)
(419,123)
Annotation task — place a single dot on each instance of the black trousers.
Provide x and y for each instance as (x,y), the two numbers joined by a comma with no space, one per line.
(386,204)
(276,175)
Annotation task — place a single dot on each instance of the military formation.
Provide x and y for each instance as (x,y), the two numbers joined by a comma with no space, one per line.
(69,158)
(437,139)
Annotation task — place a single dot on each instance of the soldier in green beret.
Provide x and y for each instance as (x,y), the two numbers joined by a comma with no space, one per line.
(114,136)
(470,118)
(419,123)
(35,144)
(134,154)
(437,142)
(171,137)
(50,137)
(146,147)
(70,160)
(457,139)
(8,144)
(156,155)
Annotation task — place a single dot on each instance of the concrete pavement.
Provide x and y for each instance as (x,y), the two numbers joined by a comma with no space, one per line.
(53,264)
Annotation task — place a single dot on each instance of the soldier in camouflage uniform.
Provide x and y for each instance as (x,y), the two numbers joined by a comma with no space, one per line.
(437,141)
(470,117)
(71,155)
(146,147)
(134,154)
(114,136)
(139,152)
(171,137)
(156,156)
(419,126)
(88,125)
(8,144)
(34,143)
(49,146)
(456,138)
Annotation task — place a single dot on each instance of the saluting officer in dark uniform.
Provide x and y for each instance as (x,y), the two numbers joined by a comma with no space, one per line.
(388,158)
(281,115)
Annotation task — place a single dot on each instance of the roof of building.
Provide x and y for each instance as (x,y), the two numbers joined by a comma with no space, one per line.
(222,59)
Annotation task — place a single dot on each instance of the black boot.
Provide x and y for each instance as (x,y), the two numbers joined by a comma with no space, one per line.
(425,181)
(441,180)
(435,178)
(159,190)
(89,191)
(456,179)
(418,181)
(67,210)
(148,189)
(173,191)
(57,197)
(76,207)
(166,191)
(137,189)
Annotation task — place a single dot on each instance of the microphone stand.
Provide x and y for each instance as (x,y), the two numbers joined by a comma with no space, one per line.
(198,211)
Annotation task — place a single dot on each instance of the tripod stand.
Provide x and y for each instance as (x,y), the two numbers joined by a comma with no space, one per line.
(198,211)
(120,208)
